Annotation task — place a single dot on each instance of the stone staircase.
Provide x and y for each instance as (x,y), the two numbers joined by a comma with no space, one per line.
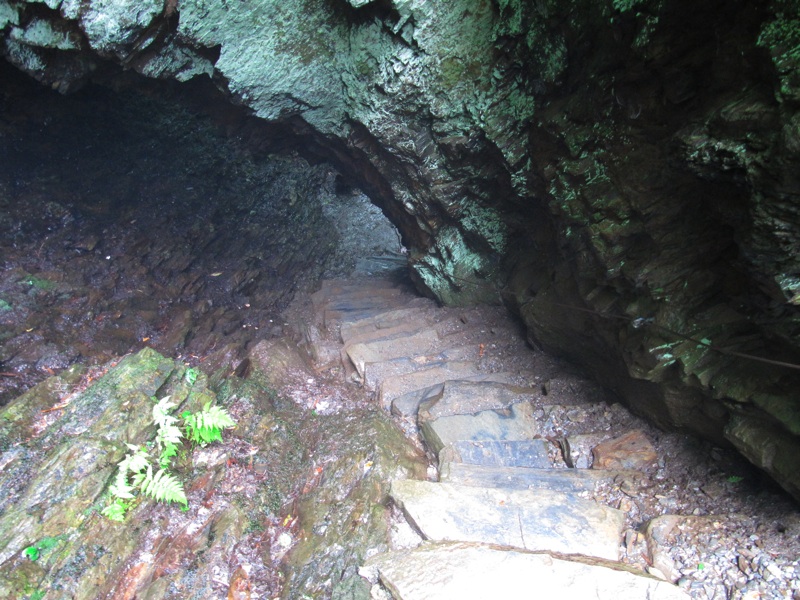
(511,509)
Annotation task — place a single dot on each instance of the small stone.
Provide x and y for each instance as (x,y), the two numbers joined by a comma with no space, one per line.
(631,451)
(743,564)
(774,570)
(713,490)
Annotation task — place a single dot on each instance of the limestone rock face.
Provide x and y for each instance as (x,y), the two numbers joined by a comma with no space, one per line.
(622,174)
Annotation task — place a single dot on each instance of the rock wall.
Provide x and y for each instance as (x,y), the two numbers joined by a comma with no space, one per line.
(622,173)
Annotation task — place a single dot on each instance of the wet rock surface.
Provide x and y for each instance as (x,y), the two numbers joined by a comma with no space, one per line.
(127,221)
(291,500)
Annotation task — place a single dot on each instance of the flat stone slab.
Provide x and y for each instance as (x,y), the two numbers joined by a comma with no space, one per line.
(384,320)
(457,571)
(408,405)
(514,423)
(375,373)
(524,478)
(470,397)
(499,453)
(372,334)
(527,519)
(398,385)
(418,343)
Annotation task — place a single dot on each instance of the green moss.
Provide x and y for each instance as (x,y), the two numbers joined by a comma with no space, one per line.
(781,38)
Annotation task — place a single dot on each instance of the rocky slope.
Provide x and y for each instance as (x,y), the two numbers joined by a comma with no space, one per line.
(622,173)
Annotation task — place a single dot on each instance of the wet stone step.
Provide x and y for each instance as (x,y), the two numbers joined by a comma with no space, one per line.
(352,313)
(408,405)
(421,315)
(403,328)
(529,519)
(470,397)
(514,423)
(386,349)
(461,571)
(499,453)
(398,385)
(326,295)
(378,372)
(523,478)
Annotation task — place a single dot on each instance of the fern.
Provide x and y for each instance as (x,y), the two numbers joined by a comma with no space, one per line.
(164,487)
(135,471)
(116,510)
(169,434)
(206,426)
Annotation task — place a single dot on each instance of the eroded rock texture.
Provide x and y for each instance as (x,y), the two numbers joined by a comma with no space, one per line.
(622,173)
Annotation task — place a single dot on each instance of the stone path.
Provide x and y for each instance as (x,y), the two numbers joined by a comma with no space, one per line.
(510,506)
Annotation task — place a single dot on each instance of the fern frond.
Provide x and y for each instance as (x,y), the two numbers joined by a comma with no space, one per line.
(167,453)
(168,435)
(121,488)
(116,510)
(206,426)
(161,413)
(138,461)
(163,487)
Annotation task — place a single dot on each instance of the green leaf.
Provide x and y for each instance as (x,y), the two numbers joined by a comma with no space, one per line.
(116,510)
(164,487)
(138,461)
(161,412)
(191,376)
(169,451)
(32,552)
(206,426)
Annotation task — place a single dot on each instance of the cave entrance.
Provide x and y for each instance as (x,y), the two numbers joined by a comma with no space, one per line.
(129,218)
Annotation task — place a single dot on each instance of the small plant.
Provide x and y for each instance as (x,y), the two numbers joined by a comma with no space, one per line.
(135,471)
(34,551)
(206,426)
(190,376)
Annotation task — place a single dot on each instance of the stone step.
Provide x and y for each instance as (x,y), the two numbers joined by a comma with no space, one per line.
(522,478)
(331,287)
(540,520)
(329,292)
(358,294)
(516,423)
(420,343)
(377,372)
(353,313)
(408,405)
(382,264)
(388,319)
(423,345)
(499,453)
(470,397)
(393,387)
(462,571)
(408,326)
